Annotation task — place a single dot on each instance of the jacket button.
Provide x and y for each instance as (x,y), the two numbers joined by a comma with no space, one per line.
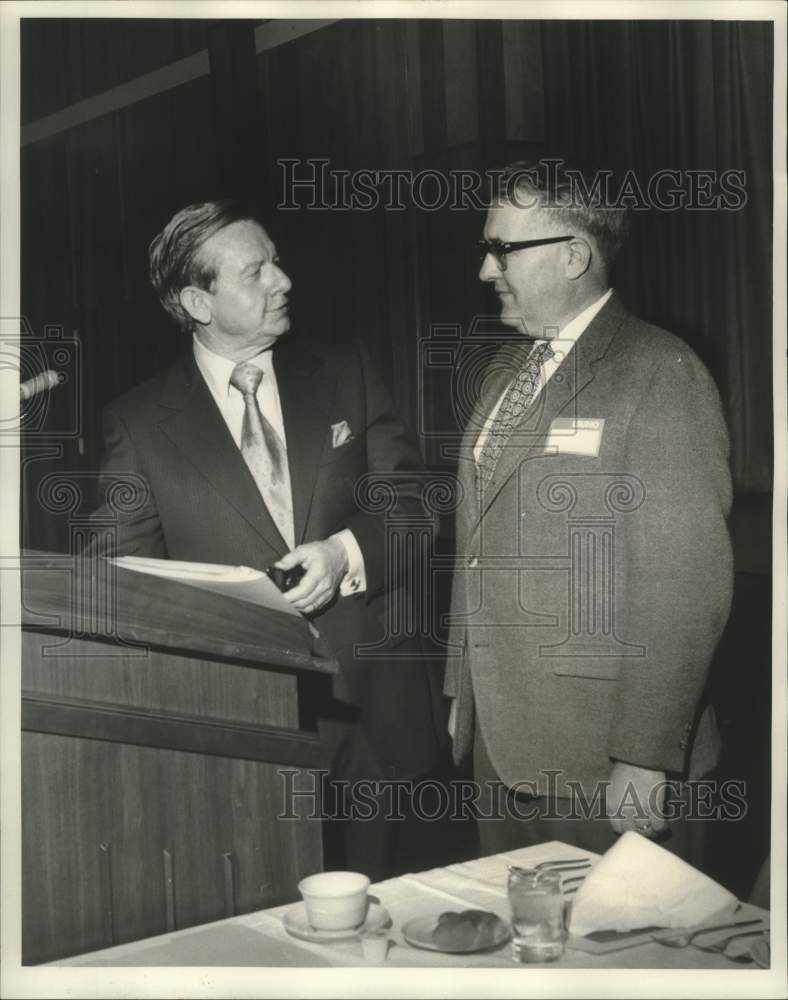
(682,744)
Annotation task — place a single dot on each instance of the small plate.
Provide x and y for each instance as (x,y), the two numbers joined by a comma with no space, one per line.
(297,924)
(418,932)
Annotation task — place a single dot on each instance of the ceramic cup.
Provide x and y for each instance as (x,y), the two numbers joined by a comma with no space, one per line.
(335,901)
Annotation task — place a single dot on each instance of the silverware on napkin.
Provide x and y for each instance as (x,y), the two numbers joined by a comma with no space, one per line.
(683,940)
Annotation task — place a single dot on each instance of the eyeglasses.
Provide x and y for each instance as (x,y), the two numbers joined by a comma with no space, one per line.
(499,250)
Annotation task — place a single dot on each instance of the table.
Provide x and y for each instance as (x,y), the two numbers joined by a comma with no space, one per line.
(260,939)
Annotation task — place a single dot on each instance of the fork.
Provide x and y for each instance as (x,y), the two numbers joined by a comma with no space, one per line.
(566,881)
(581,862)
(719,947)
(683,940)
(578,866)
(569,865)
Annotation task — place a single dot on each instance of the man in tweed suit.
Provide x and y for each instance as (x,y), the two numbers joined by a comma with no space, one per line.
(594,565)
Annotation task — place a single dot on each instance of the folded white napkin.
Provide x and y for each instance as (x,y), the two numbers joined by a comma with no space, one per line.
(637,884)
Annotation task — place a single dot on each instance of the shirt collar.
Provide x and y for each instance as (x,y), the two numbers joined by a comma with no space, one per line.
(575,327)
(217,369)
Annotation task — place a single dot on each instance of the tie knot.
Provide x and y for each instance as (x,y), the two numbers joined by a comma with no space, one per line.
(246,378)
(542,353)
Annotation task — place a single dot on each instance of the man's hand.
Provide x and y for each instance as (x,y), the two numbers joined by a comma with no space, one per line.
(636,799)
(325,564)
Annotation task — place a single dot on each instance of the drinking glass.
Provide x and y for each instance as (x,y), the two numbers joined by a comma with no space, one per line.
(537,905)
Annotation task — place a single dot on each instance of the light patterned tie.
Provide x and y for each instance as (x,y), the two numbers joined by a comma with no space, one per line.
(515,402)
(264,452)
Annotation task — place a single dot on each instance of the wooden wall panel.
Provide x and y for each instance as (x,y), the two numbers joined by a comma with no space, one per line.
(55,785)
(108,858)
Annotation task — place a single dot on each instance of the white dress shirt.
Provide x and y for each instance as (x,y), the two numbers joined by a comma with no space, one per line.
(216,370)
(562,346)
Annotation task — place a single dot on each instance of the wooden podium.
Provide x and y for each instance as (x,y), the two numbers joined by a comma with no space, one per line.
(158,720)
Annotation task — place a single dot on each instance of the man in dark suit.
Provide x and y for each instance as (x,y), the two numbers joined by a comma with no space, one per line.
(251,448)
(595,569)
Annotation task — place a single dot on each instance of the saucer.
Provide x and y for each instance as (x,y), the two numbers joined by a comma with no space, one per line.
(297,924)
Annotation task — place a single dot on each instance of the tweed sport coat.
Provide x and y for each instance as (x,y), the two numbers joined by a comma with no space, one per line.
(592,589)
(203,505)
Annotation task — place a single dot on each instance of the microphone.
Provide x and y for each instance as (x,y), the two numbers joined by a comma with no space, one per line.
(42,382)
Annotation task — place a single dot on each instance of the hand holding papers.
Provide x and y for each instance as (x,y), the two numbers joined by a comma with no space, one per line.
(240,582)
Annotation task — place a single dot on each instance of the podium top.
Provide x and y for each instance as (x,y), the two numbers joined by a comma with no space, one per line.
(98,601)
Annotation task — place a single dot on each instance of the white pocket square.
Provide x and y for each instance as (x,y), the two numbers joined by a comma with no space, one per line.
(575,436)
(340,434)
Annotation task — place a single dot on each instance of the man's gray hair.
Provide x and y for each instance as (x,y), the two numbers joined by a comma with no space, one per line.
(571,194)
(174,254)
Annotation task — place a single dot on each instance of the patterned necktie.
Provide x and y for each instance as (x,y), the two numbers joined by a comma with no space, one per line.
(264,452)
(515,402)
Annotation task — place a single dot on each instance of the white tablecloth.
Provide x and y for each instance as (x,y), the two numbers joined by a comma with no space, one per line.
(260,939)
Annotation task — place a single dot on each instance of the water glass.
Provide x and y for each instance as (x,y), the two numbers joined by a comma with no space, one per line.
(537,905)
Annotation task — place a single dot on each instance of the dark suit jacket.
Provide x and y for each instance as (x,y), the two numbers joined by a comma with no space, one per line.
(571,668)
(203,505)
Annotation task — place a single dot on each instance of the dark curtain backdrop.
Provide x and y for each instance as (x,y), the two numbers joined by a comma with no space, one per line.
(412,95)
(686,95)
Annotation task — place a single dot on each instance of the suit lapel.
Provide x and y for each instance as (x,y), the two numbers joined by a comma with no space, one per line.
(576,372)
(306,393)
(502,370)
(197,428)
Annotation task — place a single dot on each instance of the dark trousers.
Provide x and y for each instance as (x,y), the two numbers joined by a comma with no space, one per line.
(506,830)
(365,845)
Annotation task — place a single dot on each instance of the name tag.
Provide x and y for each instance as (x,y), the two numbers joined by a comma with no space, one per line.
(575,436)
